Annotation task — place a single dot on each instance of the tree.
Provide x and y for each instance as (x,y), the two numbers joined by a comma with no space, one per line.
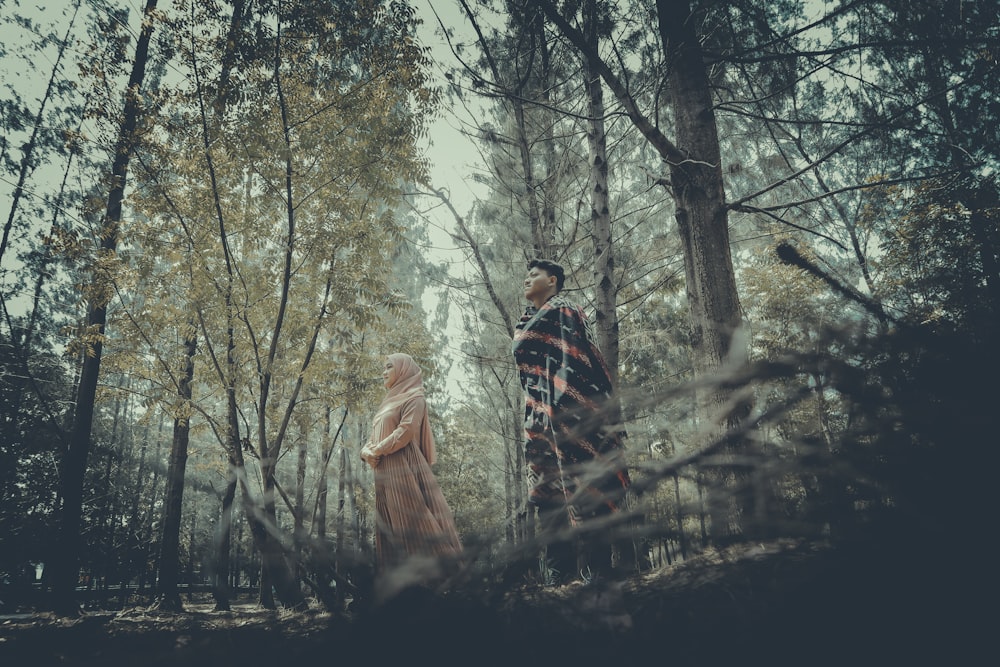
(953,59)
(694,162)
(169,557)
(305,160)
(64,565)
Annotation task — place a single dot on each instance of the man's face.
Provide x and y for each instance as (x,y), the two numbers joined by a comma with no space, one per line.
(538,284)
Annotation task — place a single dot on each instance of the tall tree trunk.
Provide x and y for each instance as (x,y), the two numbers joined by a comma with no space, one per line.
(510,495)
(103,522)
(525,511)
(699,196)
(342,488)
(265,527)
(189,568)
(167,596)
(702,220)
(299,534)
(223,540)
(151,540)
(65,559)
(323,487)
(700,207)
(606,285)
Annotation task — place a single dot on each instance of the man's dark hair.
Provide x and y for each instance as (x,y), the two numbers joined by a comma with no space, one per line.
(551,268)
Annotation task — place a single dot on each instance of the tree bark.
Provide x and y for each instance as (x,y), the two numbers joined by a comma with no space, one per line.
(223,540)
(694,163)
(299,536)
(702,221)
(65,558)
(341,530)
(169,570)
(605,282)
(605,285)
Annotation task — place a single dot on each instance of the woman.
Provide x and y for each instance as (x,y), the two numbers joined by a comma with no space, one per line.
(412,516)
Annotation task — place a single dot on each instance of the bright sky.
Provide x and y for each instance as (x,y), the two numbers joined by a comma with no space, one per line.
(452,154)
(453,157)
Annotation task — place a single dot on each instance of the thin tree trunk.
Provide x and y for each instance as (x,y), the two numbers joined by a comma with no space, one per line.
(223,540)
(167,596)
(510,494)
(281,575)
(103,520)
(341,530)
(606,287)
(169,558)
(141,528)
(151,541)
(525,511)
(259,522)
(679,516)
(606,284)
(299,535)
(323,487)
(65,561)
(189,570)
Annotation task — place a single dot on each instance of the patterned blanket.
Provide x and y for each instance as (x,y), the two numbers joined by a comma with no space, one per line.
(575,458)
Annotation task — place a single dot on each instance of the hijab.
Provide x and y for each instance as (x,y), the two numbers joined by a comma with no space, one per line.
(406,383)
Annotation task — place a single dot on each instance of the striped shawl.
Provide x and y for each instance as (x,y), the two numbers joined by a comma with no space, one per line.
(574,457)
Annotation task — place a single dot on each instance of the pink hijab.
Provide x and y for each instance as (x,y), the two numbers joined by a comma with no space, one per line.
(407,383)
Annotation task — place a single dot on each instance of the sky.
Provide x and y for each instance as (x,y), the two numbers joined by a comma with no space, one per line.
(452,156)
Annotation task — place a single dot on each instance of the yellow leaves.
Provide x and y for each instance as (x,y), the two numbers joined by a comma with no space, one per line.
(67,242)
(84,341)
(181,411)
(784,304)
(208,238)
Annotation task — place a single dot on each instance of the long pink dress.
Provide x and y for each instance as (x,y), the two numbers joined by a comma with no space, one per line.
(412,515)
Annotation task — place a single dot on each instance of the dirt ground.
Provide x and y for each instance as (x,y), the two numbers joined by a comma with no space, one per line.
(774,604)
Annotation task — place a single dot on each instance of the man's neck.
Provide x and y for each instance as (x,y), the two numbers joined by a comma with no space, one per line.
(541,302)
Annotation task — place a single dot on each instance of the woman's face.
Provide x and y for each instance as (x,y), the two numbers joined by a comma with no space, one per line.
(388,373)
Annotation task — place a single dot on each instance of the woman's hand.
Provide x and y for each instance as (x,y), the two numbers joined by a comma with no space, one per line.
(368,457)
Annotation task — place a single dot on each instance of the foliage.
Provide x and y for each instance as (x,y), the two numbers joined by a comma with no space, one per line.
(30,446)
(860,134)
(934,265)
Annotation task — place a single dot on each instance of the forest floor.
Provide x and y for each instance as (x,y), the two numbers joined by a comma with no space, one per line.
(774,603)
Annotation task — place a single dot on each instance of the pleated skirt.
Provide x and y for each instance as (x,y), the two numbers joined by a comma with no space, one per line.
(412,516)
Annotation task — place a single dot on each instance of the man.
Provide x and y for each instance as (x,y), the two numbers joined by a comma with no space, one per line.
(576,462)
